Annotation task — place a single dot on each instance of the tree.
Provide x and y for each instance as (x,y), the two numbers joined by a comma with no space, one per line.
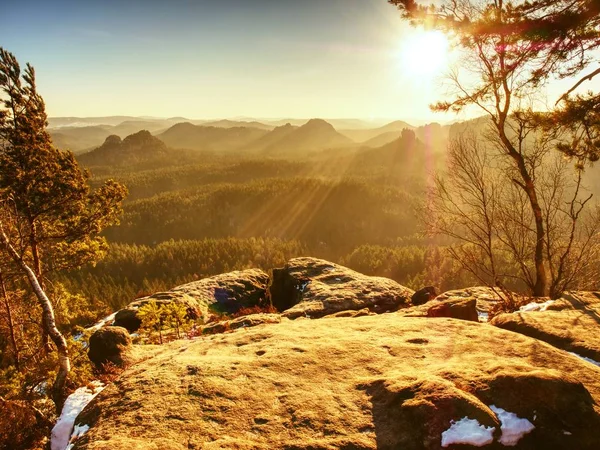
(50,217)
(476,203)
(511,51)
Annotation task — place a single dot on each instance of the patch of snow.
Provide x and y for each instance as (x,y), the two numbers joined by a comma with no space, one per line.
(329,269)
(590,360)
(483,316)
(534,306)
(513,428)
(467,431)
(78,431)
(61,433)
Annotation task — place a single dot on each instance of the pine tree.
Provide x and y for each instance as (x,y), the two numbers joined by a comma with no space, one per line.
(50,218)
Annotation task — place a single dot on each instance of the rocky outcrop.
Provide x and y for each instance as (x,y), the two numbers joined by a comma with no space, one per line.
(110,345)
(378,382)
(127,318)
(571,323)
(224,293)
(315,288)
(484,299)
(455,309)
(424,295)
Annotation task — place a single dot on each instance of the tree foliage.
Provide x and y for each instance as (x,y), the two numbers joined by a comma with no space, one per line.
(510,50)
(49,218)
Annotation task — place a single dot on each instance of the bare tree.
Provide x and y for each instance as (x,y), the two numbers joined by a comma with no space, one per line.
(479,203)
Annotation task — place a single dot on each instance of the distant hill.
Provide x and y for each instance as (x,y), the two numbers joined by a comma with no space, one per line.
(237,123)
(54,122)
(80,139)
(363,135)
(382,139)
(270,139)
(141,146)
(207,138)
(316,134)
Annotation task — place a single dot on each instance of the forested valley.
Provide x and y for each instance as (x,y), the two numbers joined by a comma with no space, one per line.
(193,213)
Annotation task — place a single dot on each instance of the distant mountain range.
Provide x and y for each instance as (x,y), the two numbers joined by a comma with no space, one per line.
(230,136)
(209,138)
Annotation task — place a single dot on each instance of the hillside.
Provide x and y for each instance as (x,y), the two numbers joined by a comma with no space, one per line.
(314,135)
(363,135)
(209,138)
(84,134)
(135,148)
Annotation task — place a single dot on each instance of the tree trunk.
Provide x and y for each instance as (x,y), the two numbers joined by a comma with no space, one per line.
(540,288)
(37,270)
(11,327)
(58,391)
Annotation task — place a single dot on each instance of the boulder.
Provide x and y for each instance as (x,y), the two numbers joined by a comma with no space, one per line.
(374,382)
(424,295)
(485,300)
(110,344)
(315,288)
(456,309)
(571,323)
(127,318)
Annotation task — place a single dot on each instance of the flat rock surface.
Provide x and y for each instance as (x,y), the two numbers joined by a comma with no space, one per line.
(571,323)
(325,288)
(373,382)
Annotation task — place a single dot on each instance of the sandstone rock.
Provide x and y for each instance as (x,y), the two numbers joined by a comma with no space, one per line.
(377,382)
(224,293)
(485,299)
(455,309)
(351,313)
(250,320)
(424,295)
(572,323)
(110,344)
(316,288)
(127,318)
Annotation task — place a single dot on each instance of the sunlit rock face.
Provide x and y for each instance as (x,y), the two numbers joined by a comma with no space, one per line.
(373,382)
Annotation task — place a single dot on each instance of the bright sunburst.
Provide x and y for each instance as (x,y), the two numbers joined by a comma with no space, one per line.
(424,53)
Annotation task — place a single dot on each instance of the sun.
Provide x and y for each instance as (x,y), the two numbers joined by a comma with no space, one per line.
(424,53)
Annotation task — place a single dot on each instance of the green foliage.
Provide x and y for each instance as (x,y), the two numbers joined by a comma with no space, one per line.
(50,221)
(164,316)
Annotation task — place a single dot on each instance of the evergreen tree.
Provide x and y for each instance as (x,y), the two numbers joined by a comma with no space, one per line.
(50,217)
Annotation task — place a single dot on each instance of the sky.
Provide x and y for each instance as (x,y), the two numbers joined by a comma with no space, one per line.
(204,59)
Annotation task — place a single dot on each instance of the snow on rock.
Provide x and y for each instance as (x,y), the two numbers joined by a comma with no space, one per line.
(107,320)
(467,431)
(513,428)
(78,431)
(61,433)
(533,306)
(590,360)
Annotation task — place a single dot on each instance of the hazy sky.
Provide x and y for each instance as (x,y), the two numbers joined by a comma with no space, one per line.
(221,58)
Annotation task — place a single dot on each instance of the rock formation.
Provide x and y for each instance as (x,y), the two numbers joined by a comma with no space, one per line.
(376,372)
